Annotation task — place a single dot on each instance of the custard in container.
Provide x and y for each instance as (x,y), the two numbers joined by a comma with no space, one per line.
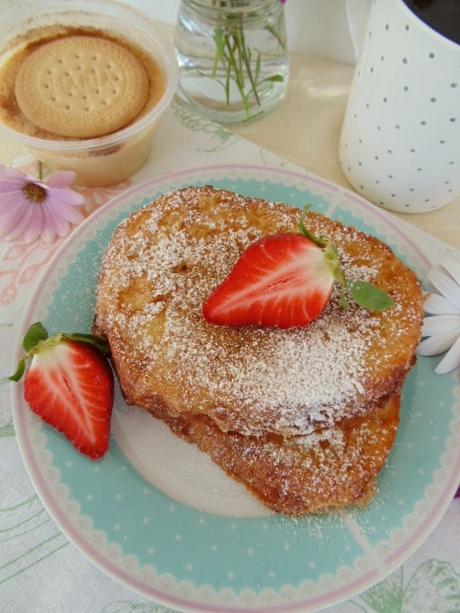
(83,85)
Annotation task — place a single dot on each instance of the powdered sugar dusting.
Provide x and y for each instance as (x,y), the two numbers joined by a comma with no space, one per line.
(168,258)
(302,375)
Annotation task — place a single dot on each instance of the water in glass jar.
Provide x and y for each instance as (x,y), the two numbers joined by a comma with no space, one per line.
(232,56)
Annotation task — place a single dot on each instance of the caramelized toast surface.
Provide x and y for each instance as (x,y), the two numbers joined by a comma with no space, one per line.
(162,264)
(328,469)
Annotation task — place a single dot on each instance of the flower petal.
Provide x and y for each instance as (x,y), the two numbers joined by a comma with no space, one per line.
(64,210)
(11,200)
(24,221)
(67,196)
(63,178)
(451,360)
(446,285)
(438,305)
(441,324)
(33,230)
(453,268)
(54,220)
(48,233)
(434,345)
(10,190)
(10,186)
(64,228)
(74,198)
(71,214)
(7,187)
(10,219)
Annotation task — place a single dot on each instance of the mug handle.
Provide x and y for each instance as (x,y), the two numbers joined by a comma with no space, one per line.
(357,12)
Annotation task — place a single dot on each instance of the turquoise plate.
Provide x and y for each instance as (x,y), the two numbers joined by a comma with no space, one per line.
(140,527)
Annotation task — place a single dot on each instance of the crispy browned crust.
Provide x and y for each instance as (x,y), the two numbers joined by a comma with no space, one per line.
(171,362)
(327,470)
(158,370)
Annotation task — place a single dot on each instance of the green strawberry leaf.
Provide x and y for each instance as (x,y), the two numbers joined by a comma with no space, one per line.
(364,294)
(370,297)
(37,340)
(34,335)
(332,258)
(90,339)
(19,370)
(303,230)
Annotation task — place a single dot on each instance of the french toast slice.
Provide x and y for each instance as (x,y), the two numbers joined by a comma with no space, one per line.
(162,264)
(329,469)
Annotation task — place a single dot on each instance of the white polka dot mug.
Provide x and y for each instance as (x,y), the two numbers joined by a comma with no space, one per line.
(400,140)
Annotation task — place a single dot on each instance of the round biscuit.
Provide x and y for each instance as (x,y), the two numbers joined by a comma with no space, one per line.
(81,86)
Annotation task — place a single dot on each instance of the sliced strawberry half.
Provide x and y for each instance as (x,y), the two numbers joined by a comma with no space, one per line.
(70,386)
(280,281)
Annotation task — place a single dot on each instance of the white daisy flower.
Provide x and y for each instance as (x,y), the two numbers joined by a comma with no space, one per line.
(442,328)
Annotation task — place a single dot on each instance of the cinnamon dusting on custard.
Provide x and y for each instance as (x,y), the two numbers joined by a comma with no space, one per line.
(22,47)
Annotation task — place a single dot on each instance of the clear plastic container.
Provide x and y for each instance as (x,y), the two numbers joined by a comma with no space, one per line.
(111,158)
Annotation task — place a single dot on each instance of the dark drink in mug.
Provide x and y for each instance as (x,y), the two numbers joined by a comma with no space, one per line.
(441,15)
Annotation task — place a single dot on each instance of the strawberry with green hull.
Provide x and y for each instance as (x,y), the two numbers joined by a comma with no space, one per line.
(285,281)
(69,384)
(280,281)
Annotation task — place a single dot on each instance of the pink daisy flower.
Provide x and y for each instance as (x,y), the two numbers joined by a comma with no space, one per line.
(30,208)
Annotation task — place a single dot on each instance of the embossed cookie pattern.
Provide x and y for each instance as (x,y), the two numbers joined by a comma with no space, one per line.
(81,86)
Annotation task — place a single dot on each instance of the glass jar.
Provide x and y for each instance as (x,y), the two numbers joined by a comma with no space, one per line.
(232,57)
